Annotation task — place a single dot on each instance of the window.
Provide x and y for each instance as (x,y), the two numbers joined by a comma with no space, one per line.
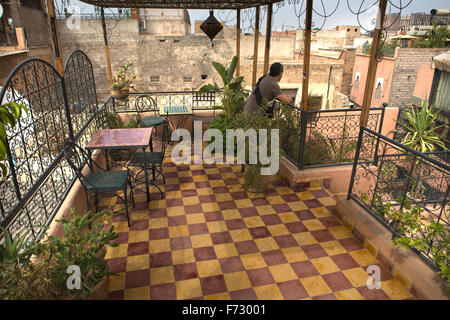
(154,79)
(162,40)
(176,41)
(187,79)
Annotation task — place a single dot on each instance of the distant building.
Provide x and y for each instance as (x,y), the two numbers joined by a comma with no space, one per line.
(165,22)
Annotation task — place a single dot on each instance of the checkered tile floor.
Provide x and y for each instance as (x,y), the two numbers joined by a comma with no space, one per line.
(210,239)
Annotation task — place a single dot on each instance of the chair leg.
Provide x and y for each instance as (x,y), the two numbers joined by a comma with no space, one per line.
(96,203)
(125,200)
(132,193)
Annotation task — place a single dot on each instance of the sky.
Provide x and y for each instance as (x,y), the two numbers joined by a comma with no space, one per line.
(286,16)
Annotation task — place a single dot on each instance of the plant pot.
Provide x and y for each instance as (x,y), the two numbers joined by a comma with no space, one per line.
(121,95)
(254,181)
(100,291)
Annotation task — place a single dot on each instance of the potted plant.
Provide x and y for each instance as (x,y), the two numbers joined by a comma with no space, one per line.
(120,89)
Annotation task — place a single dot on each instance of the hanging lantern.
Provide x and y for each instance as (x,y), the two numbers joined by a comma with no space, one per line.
(211,26)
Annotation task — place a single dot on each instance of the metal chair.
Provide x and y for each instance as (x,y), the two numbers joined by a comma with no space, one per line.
(146,104)
(152,161)
(99,182)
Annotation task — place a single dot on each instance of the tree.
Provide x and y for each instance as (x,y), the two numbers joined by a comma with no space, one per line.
(434,38)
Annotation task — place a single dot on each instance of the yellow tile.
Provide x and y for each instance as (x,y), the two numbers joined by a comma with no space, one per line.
(325,265)
(333,248)
(137,236)
(190,200)
(107,201)
(288,217)
(363,257)
(240,235)
(210,207)
(315,286)
(395,290)
(219,296)
(140,197)
(185,174)
(268,292)
(357,276)
(175,211)
(313,224)
(212,171)
(305,195)
(172,181)
(275,200)
(253,222)
(225,250)
(253,261)
(117,282)
(173,194)
(117,252)
(205,192)
(188,289)
(178,231)
(200,178)
(120,227)
(321,212)
(340,232)
(195,218)
(265,210)
(157,223)
(278,229)
(235,188)
(350,294)
(231,214)
(161,275)
(294,254)
(187,186)
(142,293)
(139,215)
(216,183)
(244,203)
(266,244)
(283,272)
(223,197)
(327,201)
(216,226)
(183,256)
(201,240)
(158,204)
(237,280)
(160,245)
(140,262)
(297,205)
(228,175)
(208,268)
(304,238)
(316,184)
(284,190)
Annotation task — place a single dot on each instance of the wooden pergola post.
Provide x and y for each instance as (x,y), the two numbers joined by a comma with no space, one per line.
(268,36)
(255,48)
(306,54)
(373,62)
(55,37)
(238,42)
(105,39)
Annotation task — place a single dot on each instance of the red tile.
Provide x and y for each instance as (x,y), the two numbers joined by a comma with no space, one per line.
(313,203)
(231,264)
(330,222)
(344,261)
(304,269)
(221,237)
(296,227)
(246,294)
(207,198)
(239,195)
(162,233)
(158,213)
(290,197)
(214,176)
(193,208)
(174,202)
(180,243)
(248,212)
(372,294)
(320,193)
(274,257)
(235,224)
(280,208)
(322,235)
(172,187)
(198,172)
(305,215)
(227,205)
(292,290)
(220,189)
(165,291)
(117,265)
(160,259)
(286,241)
(213,285)
(271,219)
(188,193)
(185,271)
(135,279)
(329,296)
(198,228)
(337,281)
(213,216)
(314,251)
(115,295)
(232,181)
(177,221)
(204,253)
(139,225)
(182,168)
(122,238)
(260,277)
(186,179)
(137,248)
(202,184)
(385,273)
(351,244)
(244,247)
(260,202)
(259,232)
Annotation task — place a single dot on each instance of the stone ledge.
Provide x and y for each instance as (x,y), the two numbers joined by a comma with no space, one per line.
(406,266)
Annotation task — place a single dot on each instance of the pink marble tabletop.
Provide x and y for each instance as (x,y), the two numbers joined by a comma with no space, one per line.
(120,138)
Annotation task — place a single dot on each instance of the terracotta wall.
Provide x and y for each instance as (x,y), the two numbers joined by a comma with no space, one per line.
(422,88)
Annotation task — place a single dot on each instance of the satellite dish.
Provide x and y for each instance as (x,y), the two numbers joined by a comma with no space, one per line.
(1,10)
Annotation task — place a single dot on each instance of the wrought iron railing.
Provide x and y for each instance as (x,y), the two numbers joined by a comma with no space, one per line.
(393,176)
(318,138)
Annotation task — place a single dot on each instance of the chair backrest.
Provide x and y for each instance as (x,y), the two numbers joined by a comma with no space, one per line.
(78,158)
(144,104)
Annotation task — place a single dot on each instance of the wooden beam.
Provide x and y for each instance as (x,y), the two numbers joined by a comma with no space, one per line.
(306,54)
(255,47)
(373,62)
(105,39)
(268,36)
(55,37)
(238,42)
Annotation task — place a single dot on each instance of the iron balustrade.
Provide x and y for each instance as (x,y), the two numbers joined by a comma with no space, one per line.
(397,175)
